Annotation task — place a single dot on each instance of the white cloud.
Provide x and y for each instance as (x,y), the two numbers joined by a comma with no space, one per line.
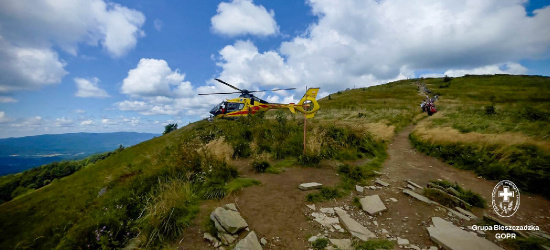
(241,17)
(80,111)
(30,30)
(363,43)
(89,88)
(30,123)
(7,99)
(87,123)
(63,122)
(154,77)
(4,118)
(27,68)
(507,68)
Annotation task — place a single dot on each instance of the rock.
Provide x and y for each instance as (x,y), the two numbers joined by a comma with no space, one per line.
(327,210)
(250,242)
(353,226)
(312,206)
(451,237)
(414,247)
(384,231)
(342,244)
(410,187)
(324,219)
(452,191)
(459,215)
(359,189)
(381,183)
(372,204)
(414,184)
(209,237)
(402,242)
(102,191)
(372,187)
(230,220)
(231,206)
(310,186)
(418,196)
(216,223)
(226,238)
(312,238)
(338,227)
(393,199)
(263,241)
(433,248)
(466,212)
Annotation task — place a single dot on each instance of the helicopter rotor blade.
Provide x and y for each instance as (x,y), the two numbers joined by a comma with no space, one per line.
(266,90)
(222,93)
(228,85)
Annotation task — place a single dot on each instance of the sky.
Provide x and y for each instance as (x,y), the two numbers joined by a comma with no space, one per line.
(103,66)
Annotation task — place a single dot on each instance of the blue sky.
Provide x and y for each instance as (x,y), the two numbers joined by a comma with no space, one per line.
(100,66)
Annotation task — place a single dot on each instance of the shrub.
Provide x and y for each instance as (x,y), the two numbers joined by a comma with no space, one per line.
(309,160)
(169,128)
(260,166)
(320,243)
(490,110)
(241,148)
(326,193)
(533,114)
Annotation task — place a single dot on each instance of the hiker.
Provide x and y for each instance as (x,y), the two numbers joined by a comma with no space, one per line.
(422,106)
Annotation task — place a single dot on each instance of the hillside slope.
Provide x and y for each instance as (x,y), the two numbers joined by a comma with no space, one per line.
(152,190)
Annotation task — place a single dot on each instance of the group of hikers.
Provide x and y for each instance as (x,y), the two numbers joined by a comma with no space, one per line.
(428,105)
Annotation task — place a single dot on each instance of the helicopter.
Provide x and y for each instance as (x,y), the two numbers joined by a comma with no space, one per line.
(248,104)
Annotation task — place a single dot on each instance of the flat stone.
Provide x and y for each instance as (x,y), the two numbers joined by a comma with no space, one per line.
(410,187)
(353,226)
(231,206)
(402,242)
(452,237)
(216,223)
(342,244)
(414,184)
(312,238)
(327,210)
(230,220)
(324,220)
(312,206)
(459,215)
(418,196)
(250,242)
(372,187)
(393,199)
(227,239)
(338,227)
(384,231)
(466,212)
(414,247)
(381,183)
(263,241)
(359,189)
(310,186)
(433,248)
(372,204)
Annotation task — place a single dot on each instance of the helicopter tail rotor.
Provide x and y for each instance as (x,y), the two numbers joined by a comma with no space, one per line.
(308,104)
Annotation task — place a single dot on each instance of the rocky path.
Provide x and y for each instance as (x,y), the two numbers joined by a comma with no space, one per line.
(276,210)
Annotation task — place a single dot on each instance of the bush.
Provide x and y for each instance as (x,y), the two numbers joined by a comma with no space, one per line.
(533,114)
(169,128)
(260,166)
(309,160)
(326,193)
(241,149)
(320,243)
(490,110)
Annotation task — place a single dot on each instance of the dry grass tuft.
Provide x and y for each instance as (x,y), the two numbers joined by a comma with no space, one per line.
(219,149)
(435,134)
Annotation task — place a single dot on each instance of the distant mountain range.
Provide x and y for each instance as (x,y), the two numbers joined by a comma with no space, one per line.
(19,154)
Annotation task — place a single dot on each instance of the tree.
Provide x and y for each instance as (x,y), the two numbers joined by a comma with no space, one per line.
(170,127)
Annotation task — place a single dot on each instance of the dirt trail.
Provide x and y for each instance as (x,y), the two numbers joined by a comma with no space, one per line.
(276,209)
(406,163)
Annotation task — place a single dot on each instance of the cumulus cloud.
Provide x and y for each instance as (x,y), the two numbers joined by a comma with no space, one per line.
(507,68)
(63,122)
(154,77)
(80,111)
(31,29)
(89,88)
(241,17)
(87,123)
(3,117)
(362,43)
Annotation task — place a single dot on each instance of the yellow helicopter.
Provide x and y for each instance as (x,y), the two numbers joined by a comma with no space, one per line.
(248,104)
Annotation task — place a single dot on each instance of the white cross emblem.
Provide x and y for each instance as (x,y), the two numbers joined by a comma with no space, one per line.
(506,194)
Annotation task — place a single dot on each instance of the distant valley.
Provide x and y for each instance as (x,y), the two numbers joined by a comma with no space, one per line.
(19,154)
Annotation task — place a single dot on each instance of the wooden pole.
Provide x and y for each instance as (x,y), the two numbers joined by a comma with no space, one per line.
(305,125)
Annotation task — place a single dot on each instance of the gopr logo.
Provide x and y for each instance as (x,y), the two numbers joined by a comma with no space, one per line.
(505,198)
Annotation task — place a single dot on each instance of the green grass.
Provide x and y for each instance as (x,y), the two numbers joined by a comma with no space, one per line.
(374,244)
(320,243)
(325,194)
(467,195)
(240,183)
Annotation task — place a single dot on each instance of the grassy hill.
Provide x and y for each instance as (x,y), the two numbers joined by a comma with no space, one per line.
(152,190)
